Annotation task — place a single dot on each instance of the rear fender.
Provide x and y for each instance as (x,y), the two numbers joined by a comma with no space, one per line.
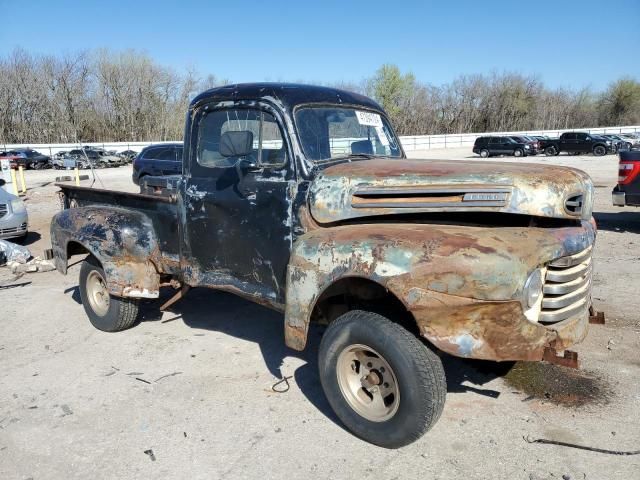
(123,241)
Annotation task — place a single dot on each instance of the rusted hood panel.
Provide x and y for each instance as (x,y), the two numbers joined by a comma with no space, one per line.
(388,186)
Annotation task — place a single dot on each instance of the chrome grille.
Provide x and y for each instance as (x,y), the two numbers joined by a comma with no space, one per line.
(567,287)
(3,209)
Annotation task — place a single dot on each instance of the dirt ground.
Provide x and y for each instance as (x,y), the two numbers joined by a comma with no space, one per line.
(188,393)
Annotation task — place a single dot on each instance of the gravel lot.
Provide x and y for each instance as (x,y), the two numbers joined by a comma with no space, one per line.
(194,385)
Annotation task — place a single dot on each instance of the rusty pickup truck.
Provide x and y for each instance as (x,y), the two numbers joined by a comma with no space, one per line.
(302,199)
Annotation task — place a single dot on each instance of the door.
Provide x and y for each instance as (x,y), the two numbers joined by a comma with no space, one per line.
(582,144)
(495,146)
(568,142)
(164,162)
(237,200)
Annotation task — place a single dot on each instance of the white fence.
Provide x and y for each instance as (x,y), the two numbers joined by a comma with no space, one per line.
(427,142)
(409,143)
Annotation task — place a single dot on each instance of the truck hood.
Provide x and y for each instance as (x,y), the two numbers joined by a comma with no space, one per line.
(385,186)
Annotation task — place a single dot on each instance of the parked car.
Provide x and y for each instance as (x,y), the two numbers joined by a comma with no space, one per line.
(158,160)
(627,191)
(489,146)
(128,155)
(69,162)
(26,158)
(534,144)
(619,142)
(89,156)
(633,138)
(14,221)
(301,198)
(576,143)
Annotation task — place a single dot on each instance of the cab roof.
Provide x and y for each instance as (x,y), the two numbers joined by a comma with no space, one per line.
(287,95)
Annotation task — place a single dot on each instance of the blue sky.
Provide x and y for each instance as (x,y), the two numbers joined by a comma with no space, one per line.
(567,43)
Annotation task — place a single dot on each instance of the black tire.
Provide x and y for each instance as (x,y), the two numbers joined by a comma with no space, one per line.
(121,313)
(421,382)
(518,152)
(484,153)
(550,151)
(599,150)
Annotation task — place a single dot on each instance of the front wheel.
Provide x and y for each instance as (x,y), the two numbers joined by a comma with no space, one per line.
(599,150)
(518,152)
(106,312)
(386,386)
(550,151)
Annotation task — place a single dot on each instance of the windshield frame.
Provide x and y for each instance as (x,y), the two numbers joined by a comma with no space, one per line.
(350,157)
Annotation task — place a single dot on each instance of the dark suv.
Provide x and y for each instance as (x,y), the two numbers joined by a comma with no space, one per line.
(157,160)
(488,146)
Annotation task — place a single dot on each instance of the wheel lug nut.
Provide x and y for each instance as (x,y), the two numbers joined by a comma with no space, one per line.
(386,385)
(369,364)
(382,369)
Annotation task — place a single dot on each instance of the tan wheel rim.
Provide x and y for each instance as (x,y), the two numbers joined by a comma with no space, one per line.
(98,293)
(368,383)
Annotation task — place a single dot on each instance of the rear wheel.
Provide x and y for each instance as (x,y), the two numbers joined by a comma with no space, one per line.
(599,150)
(484,153)
(550,151)
(106,312)
(385,385)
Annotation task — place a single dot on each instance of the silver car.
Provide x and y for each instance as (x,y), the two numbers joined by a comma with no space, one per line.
(13,215)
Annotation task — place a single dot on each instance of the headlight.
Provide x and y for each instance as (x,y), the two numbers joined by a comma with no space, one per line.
(527,146)
(17,206)
(533,288)
(608,142)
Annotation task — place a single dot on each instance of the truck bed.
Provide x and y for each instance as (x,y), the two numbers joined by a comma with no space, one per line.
(160,209)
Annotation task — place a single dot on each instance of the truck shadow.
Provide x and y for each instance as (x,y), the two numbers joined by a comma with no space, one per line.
(222,312)
(628,221)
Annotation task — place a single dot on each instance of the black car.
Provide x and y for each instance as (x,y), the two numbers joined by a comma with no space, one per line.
(488,146)
(158,160)
(576,143)
(533,143)
(28,158)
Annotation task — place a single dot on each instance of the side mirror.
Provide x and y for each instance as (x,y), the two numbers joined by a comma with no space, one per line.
(588,138)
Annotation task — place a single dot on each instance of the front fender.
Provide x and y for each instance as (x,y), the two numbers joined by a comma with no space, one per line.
(417,262)
(123,241)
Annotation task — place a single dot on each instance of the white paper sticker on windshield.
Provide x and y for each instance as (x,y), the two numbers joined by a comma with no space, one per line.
(368,118)
(382,136)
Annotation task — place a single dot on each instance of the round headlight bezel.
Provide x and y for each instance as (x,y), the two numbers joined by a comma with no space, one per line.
(532,292)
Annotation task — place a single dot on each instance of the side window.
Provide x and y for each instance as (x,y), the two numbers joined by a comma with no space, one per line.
(150,153)
(179,151)
(224,136)
(166,154)
(568,136)
(581,136)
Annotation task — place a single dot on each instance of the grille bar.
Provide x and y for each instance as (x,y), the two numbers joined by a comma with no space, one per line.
(572,260)
(568,274)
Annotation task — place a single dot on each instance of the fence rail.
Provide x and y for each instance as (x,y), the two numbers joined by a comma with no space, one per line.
(409,142)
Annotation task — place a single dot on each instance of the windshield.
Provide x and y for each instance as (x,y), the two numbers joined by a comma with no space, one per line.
(328,133)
